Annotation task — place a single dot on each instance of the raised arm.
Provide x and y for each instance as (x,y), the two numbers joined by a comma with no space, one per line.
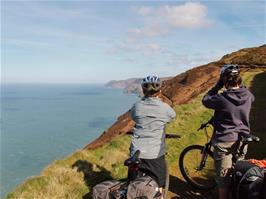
(212,99)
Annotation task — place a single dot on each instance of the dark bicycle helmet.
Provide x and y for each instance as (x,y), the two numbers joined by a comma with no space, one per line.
(151,83)
(229,70)
(230,75)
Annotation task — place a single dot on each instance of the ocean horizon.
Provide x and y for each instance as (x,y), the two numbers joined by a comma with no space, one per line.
(44,122)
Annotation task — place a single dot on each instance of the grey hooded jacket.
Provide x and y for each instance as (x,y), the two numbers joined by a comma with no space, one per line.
(232,108)
(150,115)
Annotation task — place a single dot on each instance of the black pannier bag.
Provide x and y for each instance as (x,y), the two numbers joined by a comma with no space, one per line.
(106,189)
(143,187)
(247,181)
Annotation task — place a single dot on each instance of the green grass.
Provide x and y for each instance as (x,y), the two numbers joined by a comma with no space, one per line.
(63,180)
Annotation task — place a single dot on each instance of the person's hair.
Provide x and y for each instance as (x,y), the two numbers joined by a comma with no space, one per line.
(232,81)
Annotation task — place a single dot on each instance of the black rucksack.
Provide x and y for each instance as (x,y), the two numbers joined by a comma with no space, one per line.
(106,189)
(143,188)
(247,181)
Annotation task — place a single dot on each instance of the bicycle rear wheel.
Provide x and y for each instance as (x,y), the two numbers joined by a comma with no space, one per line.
(189,163)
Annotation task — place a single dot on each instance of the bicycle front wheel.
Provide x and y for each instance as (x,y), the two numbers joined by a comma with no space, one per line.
(199,174)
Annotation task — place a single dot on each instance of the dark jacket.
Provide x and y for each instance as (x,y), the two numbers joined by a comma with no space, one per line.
(232,108)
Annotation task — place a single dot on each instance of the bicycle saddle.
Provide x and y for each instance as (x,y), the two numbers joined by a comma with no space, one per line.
(249,138)
(134,160)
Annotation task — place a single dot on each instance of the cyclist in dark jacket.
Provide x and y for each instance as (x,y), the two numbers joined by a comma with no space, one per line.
(231,118)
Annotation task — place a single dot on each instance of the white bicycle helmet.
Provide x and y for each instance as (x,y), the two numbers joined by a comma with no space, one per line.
(151,83)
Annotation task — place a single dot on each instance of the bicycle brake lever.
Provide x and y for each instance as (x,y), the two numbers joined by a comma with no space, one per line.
(202,126)
(255,138)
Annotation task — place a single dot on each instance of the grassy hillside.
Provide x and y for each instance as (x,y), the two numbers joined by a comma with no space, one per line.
(73,177)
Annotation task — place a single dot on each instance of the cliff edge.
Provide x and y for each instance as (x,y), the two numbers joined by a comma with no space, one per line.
(184,87)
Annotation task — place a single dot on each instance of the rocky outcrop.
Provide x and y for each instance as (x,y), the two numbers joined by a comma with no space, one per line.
(123,84)
(129,86)
(184,87)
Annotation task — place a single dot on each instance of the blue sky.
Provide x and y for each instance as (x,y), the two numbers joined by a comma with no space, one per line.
(98,41)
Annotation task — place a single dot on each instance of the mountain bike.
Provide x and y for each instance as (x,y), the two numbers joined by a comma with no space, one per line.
(134,171)
(196,162)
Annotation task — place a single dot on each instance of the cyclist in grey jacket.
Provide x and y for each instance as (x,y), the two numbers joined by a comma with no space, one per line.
(150,115)
(231,118)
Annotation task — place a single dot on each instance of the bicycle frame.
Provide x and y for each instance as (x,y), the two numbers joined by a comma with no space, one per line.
(205,153)
(207,147)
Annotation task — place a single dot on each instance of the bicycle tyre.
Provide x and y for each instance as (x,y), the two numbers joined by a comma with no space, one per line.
(204,179)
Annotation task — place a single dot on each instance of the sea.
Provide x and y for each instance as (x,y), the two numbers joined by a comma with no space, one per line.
(43,122)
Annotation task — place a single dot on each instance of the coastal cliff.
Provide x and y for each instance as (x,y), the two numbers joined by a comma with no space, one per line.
(186,86)
(74,176)
(129,86)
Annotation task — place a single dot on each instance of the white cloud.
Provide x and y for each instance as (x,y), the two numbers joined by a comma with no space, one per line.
(161,20)
(189,15)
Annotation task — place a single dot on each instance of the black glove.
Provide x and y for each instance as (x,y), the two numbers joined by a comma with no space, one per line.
(220,83)
(214,90)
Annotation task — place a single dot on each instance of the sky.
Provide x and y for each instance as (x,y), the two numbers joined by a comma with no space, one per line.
(99,41)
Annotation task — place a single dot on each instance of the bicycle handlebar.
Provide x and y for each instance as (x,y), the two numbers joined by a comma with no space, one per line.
(129,132)
(172,136)
(204,125)
(246,138)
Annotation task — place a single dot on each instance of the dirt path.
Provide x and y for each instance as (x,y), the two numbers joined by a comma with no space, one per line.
(258,116)
(179,189)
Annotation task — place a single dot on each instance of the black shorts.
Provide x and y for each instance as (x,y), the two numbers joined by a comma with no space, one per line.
(156,168)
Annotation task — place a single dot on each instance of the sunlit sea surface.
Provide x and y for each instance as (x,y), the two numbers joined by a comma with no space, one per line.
(41,123)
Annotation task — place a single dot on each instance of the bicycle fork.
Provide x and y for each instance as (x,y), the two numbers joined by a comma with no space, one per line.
(204,156)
